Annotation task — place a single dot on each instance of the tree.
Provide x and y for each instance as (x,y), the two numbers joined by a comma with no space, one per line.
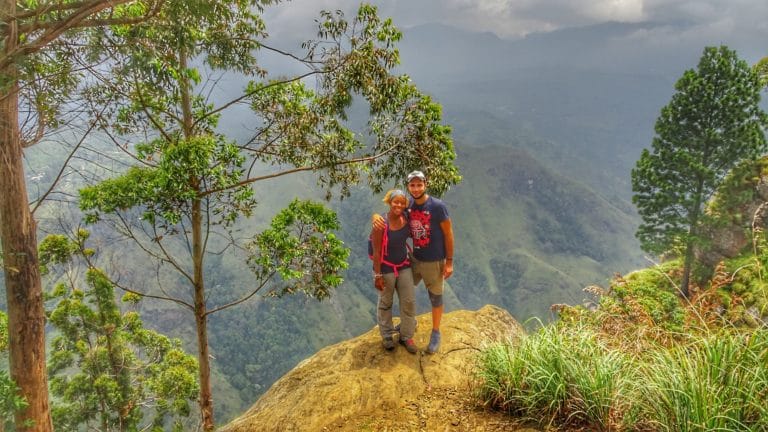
(761,69)
(712,123)
(107,371)
(194,184)
(36,78)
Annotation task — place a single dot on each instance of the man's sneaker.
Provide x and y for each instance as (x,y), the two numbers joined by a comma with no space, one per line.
(410,345)
(434,342)
(388,343)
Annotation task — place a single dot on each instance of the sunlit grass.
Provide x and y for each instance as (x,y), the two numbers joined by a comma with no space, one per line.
(560,374)
(564,375)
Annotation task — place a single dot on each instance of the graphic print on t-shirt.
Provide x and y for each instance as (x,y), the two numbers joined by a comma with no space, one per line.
(420,227)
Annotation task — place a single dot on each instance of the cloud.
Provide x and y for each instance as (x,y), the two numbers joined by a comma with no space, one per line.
(737,22)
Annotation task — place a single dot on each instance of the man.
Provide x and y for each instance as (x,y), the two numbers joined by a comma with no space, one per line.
(432,236)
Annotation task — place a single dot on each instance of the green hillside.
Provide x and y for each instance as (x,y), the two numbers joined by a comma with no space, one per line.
(531,236)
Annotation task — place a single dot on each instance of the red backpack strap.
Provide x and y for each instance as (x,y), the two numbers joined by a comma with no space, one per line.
(385,250)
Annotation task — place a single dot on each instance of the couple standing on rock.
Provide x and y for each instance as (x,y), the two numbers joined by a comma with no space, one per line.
(423,219)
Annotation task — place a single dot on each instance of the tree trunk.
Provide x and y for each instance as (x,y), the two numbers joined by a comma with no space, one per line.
(201,319)
(693,231)
(201,312)
(687,265)
(23,288)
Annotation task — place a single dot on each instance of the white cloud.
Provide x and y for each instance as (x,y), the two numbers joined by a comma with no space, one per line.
(711,21)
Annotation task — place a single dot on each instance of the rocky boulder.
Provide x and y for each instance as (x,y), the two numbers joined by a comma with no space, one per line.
(354,384)
(731,239)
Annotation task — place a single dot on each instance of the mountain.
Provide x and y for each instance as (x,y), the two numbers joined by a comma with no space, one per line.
(528,237)
(357,385)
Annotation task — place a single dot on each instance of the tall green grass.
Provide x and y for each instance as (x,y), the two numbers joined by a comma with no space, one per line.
(565,375)
(560,374)
(717,383)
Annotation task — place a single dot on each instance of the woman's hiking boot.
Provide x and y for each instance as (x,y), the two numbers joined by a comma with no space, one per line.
(409,345)
(388,343)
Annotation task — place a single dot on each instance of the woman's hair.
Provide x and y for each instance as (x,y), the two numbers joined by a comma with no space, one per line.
(394,193)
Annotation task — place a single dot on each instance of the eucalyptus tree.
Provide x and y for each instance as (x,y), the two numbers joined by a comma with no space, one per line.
(192,183)
(712,123)
(37,74)
(108,372)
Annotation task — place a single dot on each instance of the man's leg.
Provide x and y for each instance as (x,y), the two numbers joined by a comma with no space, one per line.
(433,279)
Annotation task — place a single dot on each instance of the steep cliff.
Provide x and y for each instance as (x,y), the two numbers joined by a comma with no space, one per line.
(357,385)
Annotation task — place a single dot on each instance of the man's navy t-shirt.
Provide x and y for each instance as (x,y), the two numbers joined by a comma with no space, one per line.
(428,239)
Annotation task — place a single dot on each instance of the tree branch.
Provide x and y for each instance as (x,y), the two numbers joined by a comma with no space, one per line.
(76,19)
(40,200)
(296,170)
(241,299)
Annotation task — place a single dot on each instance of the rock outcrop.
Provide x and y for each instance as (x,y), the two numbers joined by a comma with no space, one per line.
(730,240)
(345,386)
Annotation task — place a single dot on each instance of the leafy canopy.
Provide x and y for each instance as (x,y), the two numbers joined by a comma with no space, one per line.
(107,370)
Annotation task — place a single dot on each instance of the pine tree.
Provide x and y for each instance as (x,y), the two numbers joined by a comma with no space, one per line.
(712,123)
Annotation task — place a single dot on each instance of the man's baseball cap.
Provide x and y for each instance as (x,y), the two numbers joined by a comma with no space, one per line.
(416,174)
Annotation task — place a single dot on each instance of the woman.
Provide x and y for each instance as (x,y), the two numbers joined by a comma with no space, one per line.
(392,272)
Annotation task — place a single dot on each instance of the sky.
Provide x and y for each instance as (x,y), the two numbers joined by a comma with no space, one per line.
(741,24)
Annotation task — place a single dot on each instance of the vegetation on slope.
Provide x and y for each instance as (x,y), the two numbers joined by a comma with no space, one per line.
(645,357)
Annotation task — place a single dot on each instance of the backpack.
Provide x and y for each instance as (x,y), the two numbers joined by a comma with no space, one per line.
(384,245)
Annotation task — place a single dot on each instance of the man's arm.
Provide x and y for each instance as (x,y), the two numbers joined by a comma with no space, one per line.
(448,238)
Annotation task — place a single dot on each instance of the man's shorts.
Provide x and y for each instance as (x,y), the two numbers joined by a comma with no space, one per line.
(431,272)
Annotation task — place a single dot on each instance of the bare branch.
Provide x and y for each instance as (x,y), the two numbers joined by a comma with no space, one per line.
(297,170)
(241,299)
(251,93)
(63,167)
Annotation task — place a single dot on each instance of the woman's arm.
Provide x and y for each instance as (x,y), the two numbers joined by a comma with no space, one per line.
(376,239)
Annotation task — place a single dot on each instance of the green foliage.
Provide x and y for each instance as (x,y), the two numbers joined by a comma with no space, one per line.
(167,190)
(306,128)
(106,370)
(761,69)
(300,247)
(712,123)
(10,399)
(55,249)
(3,332)
(738,189)
(653,290)
(692,365)
(740,288)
